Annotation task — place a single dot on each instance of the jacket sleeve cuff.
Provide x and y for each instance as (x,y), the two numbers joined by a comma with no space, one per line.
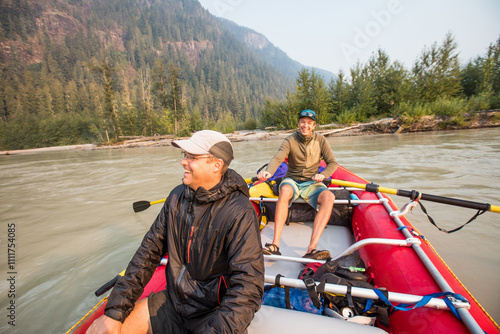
(115,315)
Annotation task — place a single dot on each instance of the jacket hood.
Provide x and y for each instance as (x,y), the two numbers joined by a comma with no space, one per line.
(230,182)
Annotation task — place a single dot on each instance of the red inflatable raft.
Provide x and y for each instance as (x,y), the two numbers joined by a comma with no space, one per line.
(398,261)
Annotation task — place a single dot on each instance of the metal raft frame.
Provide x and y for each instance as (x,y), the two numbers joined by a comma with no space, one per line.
(461,307)
(465,316)
(435,303)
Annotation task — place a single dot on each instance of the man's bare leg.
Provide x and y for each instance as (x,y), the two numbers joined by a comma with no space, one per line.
(325,200)
(286,194)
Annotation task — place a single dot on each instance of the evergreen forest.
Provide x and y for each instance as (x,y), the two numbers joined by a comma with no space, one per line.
(96,71)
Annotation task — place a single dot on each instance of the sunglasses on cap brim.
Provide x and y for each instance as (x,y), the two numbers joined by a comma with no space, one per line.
(307,114)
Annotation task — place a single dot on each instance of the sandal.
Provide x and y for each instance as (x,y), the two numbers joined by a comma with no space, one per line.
(271,249)
(318,255)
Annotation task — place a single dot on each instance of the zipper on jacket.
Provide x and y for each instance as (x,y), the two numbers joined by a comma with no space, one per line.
(189,242)
(191,223)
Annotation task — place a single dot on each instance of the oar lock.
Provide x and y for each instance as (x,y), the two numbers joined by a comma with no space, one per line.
(404,210)
(408,207)
(415,195)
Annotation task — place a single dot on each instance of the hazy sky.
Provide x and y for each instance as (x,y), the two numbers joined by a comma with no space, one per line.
(334,35)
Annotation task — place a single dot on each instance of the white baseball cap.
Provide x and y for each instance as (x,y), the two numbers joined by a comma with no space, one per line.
(207,142)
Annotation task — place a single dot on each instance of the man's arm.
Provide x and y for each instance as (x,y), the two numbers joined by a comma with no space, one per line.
(276,161)
(139,271)
(329,158)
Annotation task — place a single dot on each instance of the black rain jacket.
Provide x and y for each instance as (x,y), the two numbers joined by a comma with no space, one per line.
(215,260)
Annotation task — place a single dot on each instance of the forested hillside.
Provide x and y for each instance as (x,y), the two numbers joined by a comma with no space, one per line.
(77,71)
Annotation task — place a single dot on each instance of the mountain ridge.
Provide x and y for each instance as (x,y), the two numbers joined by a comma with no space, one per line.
(270,53)
(58,24)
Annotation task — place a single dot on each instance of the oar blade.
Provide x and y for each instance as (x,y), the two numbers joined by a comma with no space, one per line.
(141,206)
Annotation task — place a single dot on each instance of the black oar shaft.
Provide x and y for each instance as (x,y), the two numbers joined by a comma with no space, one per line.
(103,289)
(447,200)
(411,194)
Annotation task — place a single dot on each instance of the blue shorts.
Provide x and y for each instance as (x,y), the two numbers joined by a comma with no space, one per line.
(308,190)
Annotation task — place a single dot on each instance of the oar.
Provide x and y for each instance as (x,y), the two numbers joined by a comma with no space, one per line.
(433,198)
(143,205)
(107,286)
(251,179)
(103,289)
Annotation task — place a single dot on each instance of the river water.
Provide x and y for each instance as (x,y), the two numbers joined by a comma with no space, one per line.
(70,213)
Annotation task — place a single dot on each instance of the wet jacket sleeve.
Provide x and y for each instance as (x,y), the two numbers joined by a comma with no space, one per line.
(328,157)
(129,288)
(246,277)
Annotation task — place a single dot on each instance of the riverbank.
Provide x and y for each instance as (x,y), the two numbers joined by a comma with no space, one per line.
(471,120)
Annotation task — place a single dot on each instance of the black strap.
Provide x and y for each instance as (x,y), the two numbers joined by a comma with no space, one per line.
(311,290)
(350,302)
(307,272)
(263,211)
(321,287)
(277,283)
(277,280)
(478,213)
(287,297)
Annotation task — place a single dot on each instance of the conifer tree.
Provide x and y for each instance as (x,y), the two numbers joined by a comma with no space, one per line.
(437,72)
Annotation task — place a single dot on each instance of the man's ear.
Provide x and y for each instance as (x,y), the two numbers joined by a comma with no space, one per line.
(218,165)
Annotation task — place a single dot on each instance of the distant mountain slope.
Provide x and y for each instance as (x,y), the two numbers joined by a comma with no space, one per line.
(271,54)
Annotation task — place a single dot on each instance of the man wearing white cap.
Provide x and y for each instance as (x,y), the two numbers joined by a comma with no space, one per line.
(215,270)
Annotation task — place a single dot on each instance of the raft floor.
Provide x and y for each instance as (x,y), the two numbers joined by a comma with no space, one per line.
(294,241)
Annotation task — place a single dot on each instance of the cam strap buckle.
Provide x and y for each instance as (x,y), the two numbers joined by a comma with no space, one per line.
(311,290)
